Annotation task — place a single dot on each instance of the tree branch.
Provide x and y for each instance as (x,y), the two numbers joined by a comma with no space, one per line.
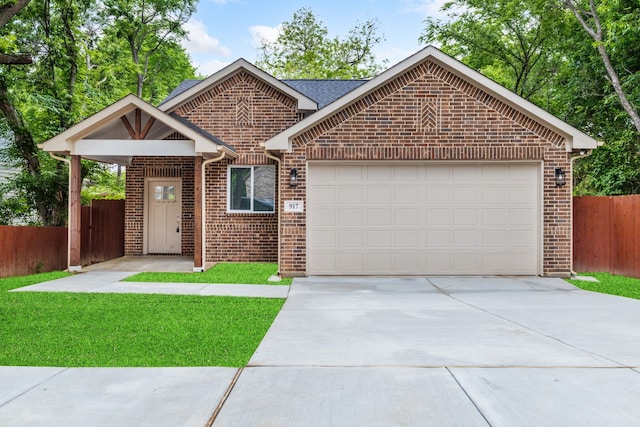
(15,58)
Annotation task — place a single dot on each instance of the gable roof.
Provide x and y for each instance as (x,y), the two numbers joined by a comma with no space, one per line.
(105,137)
(192,90)
(574,137)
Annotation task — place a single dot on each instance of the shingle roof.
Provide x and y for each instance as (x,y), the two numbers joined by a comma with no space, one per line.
(184,85)
(323,92)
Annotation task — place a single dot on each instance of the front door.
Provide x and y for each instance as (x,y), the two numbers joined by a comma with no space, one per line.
(164,202)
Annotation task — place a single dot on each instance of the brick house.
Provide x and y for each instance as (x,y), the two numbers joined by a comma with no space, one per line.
(428,168)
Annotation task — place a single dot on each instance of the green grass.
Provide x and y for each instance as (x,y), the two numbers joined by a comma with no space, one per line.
(610,284)
(252,273)
(109,330)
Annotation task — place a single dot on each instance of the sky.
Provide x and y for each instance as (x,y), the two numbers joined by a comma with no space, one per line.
(222,31)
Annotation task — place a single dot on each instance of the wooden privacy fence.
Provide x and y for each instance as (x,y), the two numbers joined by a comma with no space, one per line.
(28,250)
(606,234)
(102,231)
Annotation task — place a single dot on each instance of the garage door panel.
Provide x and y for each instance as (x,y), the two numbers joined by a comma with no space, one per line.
(350,239)
(350,196)
(351,216)
(438,195)
(467,194)
(423,219)
(465,216)
(378,216)
(378,195)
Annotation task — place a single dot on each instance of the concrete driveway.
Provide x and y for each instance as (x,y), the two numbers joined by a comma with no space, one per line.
(445,352)
(381,352)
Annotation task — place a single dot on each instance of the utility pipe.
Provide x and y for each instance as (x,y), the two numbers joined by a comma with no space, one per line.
(203,220)
(581,155)
(68,162)
(279,207)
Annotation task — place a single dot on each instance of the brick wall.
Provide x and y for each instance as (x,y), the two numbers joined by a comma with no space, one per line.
(242,111)
(428,113)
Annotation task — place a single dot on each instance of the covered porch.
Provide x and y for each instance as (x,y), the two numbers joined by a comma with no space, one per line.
(132,129)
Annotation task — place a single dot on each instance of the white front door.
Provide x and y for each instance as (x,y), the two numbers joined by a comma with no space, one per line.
(164,209)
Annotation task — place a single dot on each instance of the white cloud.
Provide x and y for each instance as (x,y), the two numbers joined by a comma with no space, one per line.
(261,33)
(207,68)
(199,41)
(428,8)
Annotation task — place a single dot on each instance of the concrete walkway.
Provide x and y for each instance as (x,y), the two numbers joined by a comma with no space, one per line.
(109,282)
(380,352)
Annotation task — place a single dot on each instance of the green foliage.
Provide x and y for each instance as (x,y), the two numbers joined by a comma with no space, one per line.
(304,50)
(538,49)
(610,284)
(104,185)
(518,44)
(250,273)
(67,329)
(82,63)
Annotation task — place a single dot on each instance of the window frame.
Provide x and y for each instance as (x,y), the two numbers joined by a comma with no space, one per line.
(251,196)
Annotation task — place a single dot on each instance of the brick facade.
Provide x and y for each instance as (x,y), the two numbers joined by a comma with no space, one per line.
(424,114)
(428,113)
(242,111)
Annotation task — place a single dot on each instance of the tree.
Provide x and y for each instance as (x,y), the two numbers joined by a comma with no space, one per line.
(8,9)
(589,19)
(304,49)
(517,43)
(146,26)
(72,76)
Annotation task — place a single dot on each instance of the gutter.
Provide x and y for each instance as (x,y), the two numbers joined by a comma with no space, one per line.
(204,210)
(68,162)
(581,155)
(279,162)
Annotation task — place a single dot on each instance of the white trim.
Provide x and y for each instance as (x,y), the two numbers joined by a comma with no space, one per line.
(134,147)
(574,137)
(251,198)
(304,103)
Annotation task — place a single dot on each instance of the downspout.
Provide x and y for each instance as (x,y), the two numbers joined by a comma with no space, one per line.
(581,155)
(204,206)
(68,162)
(278,161)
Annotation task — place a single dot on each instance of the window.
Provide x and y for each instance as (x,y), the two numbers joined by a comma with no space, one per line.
(165,192)
(251,188)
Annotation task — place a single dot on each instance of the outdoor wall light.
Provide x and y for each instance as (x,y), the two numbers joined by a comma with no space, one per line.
(293,178)
(560,177)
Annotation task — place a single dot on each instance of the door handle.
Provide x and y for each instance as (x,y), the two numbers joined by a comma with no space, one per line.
(177,223)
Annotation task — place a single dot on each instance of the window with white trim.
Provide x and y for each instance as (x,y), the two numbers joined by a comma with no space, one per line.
(251,189)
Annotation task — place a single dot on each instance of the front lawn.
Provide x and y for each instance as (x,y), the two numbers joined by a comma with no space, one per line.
(610,284)
(251,273)
(128,330)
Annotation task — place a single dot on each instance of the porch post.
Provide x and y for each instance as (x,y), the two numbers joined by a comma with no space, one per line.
(75,211)
(198,197)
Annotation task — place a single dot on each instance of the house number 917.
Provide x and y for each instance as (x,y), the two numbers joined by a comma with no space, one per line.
(293,206)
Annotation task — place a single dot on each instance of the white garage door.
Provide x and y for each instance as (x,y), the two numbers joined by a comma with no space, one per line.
(423,219)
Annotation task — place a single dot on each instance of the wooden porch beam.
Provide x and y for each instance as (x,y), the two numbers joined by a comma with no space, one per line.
(127,125)
(75,212)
